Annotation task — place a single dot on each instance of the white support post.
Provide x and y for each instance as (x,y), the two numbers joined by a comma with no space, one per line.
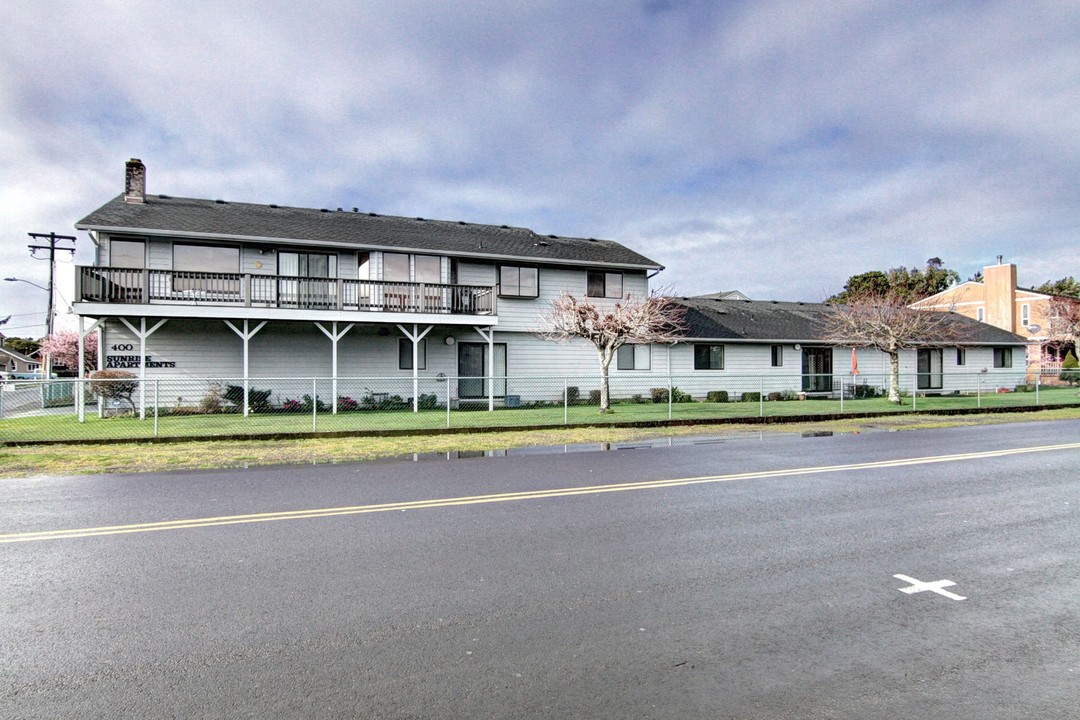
(334,336)
(80,400)
(142,333)
(246,334)
(489,335)
(415,336)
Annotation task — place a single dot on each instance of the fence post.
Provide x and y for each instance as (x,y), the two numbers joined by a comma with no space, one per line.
(915,392)
(565,403)
(761,397)
(157,386)
(2,399)
(670,389)
(1038,377)
(314,401)
(841,394)
(978,391)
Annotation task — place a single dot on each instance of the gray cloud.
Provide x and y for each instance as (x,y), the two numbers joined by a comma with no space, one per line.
(775,147)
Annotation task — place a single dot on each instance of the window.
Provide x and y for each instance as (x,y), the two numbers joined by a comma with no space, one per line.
(961,356)
(127,253)
(405,354)
(929,375)
(634,357)
(307,265)
(192,265)
(519,281)
(708,357)
(1025,315)
(427,269)
(206,258)
(401,267)
(777,355)
(604,284)
(363,266)
(980,314)
(1002,357)
(395,267)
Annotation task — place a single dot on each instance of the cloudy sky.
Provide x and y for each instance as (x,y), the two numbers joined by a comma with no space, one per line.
(775,147)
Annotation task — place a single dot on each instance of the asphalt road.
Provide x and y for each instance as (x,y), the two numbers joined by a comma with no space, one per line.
(758,583)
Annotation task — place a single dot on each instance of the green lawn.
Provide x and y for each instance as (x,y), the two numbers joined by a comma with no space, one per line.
(66,427)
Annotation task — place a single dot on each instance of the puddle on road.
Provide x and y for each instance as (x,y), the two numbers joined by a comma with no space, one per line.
(664,442)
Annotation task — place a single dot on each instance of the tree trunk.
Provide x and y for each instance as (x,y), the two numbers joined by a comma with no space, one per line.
(605,394)
(894,377)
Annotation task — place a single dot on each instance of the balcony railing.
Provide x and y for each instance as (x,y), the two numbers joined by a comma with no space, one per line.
(180,287)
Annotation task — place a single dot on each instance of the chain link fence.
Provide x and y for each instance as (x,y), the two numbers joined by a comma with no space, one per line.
(127,408)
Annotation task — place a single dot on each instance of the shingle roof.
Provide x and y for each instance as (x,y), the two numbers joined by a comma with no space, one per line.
(764,320)
(188,217)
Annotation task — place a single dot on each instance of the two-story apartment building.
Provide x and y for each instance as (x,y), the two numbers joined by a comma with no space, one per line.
(264,294)
(210,288)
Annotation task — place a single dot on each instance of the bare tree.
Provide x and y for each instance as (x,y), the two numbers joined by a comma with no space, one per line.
(652,319)
(885,322)
(1064,319)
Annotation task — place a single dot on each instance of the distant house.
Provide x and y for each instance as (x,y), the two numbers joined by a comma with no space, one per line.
(997,301)
(15,363)
(724,295)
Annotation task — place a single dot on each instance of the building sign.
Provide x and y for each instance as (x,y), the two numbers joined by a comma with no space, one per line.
(125,362)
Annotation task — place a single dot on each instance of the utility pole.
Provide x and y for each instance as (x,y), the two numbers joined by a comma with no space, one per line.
(51,239)
(40,240)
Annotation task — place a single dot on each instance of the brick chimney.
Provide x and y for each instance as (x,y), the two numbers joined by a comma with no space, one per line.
(999,286)
(135,181)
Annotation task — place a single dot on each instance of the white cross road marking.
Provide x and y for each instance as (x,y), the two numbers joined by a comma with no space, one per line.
(918,586)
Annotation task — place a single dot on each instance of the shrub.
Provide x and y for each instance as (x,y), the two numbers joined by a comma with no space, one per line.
(211,402)
(394,402)
(115,385)
(573,394)
(679,396)
(292,406)
(346,404)
(717,396)
(868,391)
(427,401)
(658,395)
(258,400)
(789,395)
(594,397)
(1070,369)
(774,396)
(751,397)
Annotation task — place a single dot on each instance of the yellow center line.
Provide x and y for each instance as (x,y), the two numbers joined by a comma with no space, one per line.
(511,496)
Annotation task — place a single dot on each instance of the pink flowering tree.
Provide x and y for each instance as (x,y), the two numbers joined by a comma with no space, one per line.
(63,348)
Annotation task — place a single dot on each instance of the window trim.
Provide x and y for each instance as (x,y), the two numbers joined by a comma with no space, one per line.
(1025,314)
(503,293)
(129,241)
(709,365)
(961,357)
(1003,357)
(637,352)
(777,356)
(405,354)
(602,277)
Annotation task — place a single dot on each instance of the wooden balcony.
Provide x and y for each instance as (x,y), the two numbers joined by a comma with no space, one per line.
(179,287)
